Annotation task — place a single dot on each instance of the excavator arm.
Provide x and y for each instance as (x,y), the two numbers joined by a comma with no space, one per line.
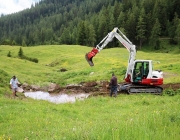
(115,33)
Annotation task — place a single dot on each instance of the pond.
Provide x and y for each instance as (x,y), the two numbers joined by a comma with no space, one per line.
(56,98)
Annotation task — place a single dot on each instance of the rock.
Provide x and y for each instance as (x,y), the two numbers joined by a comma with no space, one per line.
(91,73)
(73,86)
(63,70)
(53,88)
(20,90)
(90,84)
(35,87)
(25,86)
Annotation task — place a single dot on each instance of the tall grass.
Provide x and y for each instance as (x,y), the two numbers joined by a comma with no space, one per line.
(133,117)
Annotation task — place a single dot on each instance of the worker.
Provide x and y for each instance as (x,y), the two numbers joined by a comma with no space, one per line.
(139,73)
(113,85)
(14,85)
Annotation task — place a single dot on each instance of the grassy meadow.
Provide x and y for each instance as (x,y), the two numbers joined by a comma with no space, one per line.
(127,117)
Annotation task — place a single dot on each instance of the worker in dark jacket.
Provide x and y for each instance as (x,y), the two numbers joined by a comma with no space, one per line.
(113,85)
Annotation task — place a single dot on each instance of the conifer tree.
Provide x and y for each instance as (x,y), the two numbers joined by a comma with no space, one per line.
(9,54)
(141,29)
(81,34)
(20,53)
(155,33)
(91,38)
(177,34)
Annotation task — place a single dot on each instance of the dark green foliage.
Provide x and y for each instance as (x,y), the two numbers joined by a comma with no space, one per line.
(20,53)
(30,59)
(141,29)
(81,38)
(35,60)
(88,22)
(170,92)
(155,33)
(22,56)
(9,54)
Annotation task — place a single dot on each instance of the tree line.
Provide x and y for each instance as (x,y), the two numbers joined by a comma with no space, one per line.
(88,22)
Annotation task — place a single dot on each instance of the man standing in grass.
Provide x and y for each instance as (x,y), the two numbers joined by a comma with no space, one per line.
(14,85)
(113,85)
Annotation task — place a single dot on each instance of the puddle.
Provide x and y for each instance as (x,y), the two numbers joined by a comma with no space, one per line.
(58,98)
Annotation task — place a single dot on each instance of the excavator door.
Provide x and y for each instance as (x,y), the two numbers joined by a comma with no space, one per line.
(141,71)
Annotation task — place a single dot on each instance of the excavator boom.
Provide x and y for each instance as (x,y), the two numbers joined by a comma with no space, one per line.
(115,33)
(146,82)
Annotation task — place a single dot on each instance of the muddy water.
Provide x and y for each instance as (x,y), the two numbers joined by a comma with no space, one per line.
(57,98)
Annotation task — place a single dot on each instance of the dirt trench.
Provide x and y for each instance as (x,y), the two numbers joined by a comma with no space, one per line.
(101,88)
(93,88)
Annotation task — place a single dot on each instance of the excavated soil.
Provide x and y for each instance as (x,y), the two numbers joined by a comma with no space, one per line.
(101,88)
(171,86)
(93,88)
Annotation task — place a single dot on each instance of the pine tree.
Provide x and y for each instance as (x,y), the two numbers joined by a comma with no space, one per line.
(141,29)
(9,54)
(155,33)
(172,28)
(81,34)
(177,34)
(20,53)
(91,39)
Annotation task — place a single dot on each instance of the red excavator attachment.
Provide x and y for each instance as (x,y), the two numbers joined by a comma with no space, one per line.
(89,56)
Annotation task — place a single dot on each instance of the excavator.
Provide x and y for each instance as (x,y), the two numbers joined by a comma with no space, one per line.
(140,76)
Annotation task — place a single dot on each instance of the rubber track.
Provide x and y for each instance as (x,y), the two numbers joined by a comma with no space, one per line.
(144,89)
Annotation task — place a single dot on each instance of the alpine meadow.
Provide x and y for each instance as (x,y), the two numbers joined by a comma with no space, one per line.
(46,44)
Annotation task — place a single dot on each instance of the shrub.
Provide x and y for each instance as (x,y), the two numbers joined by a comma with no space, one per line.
(9,54)
(20,53)
(22,56)
(170,92)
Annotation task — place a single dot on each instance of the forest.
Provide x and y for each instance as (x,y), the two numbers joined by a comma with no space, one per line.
(87,22)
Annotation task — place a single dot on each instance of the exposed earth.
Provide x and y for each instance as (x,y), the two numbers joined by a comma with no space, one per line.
(94,88)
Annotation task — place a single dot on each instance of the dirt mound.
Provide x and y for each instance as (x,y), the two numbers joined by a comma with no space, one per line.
(171,86)
(94,88)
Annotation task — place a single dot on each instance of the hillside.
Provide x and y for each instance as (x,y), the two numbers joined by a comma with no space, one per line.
(87,22)
(53,58)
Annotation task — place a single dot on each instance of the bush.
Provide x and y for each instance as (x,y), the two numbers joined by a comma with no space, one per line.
(9,54)
(20,53)
(32,59)
(170,92)
(22,56)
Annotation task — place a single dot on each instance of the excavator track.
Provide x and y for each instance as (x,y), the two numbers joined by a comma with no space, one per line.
(135,89)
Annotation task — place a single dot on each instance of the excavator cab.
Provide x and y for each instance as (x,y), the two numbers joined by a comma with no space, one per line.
(141,71)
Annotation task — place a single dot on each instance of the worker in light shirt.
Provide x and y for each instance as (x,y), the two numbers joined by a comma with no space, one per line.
(14,85)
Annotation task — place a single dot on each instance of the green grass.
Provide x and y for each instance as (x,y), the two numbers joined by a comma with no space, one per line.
(53,58)
(127,117)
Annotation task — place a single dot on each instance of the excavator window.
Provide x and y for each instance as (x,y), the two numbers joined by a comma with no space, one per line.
(146,69)
(141,71)
(138,72)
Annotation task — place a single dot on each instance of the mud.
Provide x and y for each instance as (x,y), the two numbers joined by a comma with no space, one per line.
(72,93)
(175,86)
